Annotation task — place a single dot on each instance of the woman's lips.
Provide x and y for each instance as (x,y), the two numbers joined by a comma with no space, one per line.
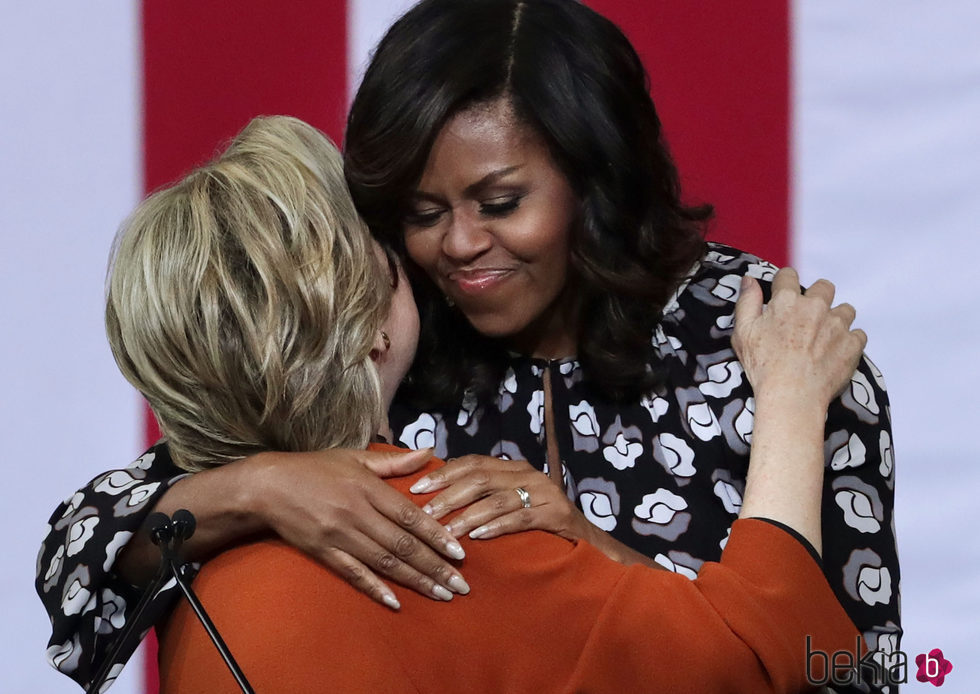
(479,281)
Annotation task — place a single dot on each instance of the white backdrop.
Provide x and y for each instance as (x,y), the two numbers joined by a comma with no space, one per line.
(887,157)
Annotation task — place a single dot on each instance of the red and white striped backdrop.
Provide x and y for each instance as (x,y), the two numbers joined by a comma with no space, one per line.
(841,137)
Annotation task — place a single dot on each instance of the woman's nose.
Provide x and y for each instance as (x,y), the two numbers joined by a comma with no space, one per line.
(466,238)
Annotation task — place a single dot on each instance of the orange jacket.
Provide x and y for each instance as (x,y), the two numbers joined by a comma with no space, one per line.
(544,615)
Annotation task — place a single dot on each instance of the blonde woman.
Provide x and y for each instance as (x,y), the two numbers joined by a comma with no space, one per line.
(250,306)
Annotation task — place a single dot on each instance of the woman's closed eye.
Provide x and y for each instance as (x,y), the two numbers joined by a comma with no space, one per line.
(423,218)
(500,207)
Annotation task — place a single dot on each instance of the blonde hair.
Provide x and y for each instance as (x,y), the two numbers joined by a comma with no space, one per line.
(244,300)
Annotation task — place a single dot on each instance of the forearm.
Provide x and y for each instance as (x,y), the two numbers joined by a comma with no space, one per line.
(221,500)
(786,464)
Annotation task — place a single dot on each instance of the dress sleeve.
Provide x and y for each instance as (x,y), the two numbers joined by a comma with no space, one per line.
(87,602)
(860,557)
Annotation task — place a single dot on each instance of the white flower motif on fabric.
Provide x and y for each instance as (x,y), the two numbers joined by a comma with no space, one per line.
(116,483)
(723,378)
(597,507)
(761,270)
(875,373)
(857,509)
(509,384)
(657,406)
(728,287)
(583,419)
(144,462)
(725,322)
(535,408)
(729,496)
(714,257)
(702,421)
(141,493)
(72,504)
(58,654)
(677,455)
(117,542)
(851,455)
(420,434)
(79,533)
(659,507)
(623,453)
(724,540)
(76,598)
(56,561)
(114,672)
(670,565)
(863,393)
(113,612)
(467,408)
(875,585)
(745,421)
(887,456)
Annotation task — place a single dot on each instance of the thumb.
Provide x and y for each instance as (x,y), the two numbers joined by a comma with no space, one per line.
(749,304)
(395,463)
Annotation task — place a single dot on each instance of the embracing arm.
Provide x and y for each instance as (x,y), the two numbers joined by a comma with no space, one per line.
(329,503)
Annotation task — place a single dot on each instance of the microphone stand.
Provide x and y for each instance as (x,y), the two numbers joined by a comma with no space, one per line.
(169,533)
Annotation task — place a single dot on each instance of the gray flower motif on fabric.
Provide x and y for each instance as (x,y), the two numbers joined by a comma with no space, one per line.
(53,573)
(571,372)
(860,503)
(117,482)
(844,450)
(535,408)
(600,501)
(623,445)
(885,650)
(859,398)
(656,406)
(508,387)
(698,418)
(676,456)
(718,374)
(137,498)
(728,489)
(680,563)
(887,465)
(65,656)
(865,579)
(81,530)
(662,514)
(76,595)
(737,420)
(465,418)
(585,427)
(117,542)
(113,615)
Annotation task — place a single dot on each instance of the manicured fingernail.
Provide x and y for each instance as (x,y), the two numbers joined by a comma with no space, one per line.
(455,550)
(441,593)
(479,532)
(427,509)
(459,585)
(391,601)
(421,486)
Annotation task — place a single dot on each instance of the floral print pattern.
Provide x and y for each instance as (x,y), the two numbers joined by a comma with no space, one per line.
(664,475)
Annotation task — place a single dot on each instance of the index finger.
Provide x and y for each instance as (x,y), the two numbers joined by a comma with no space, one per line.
(411,518)
(786,280)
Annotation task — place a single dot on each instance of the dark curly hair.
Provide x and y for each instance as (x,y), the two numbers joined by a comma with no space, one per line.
(572,76)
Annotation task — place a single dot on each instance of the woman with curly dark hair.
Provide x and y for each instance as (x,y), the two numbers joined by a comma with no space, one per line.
(576,351)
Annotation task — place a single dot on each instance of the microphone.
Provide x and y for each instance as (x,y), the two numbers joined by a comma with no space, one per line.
(168,533)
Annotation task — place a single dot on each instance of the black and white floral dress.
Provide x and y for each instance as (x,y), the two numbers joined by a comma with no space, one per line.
(664,475)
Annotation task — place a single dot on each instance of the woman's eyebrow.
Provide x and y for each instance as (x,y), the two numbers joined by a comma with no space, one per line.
(472,189)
